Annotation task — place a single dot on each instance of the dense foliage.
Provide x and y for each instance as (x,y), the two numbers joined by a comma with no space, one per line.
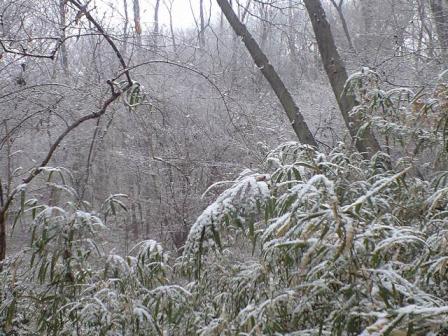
(313,244)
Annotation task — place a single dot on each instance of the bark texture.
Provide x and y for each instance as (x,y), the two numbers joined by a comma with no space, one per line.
(137,23)
(292,110)
(440,14)
(337,75)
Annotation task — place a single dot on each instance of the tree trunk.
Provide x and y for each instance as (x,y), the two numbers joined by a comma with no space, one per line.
(292,110)
(417,58)
(340,11)
(291,42)
(246,11)
(137,23)
(440,15)
(202,24)
(427,27)
(367,42)
(4,194)
(169,8)
(2,237)
(337,75)
(134,222)
(62,27)
(264,15)
(125,28)
(156,22)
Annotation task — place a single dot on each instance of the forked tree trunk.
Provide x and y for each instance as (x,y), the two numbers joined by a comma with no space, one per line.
(169,8)
(341,15)
(292,110)
(337,75)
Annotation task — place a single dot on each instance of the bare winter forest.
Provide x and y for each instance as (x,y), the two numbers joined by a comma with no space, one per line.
(224,167)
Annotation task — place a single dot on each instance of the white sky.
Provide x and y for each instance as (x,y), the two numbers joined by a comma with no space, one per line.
(182,13)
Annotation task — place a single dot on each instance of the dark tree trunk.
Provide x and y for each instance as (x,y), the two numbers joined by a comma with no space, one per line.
(292,110)
(337,75)
(440,15)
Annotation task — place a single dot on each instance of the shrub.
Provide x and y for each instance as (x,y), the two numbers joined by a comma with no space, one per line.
(316,244)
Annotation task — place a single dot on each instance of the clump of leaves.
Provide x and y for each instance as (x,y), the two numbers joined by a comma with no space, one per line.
(414,124)
(64,283)
(343,246)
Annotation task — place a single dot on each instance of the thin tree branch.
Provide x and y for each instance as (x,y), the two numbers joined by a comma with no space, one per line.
(94,115)
(83,9)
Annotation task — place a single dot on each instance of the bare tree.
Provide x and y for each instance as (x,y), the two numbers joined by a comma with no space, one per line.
(339,8)
(179,115)
(169,7)
(137,22)
(440,14)
(156,22)
(368,8)
(292,110)
(63,26)
(7,199)
(125,27)
(201,24)
(337,75)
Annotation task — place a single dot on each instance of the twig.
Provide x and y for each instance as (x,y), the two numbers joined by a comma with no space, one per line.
(83,10)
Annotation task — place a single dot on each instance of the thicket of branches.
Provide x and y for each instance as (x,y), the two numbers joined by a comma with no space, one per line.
(307,240)
(310,244)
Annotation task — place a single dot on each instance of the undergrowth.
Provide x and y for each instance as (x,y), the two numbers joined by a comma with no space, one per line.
(311,244)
